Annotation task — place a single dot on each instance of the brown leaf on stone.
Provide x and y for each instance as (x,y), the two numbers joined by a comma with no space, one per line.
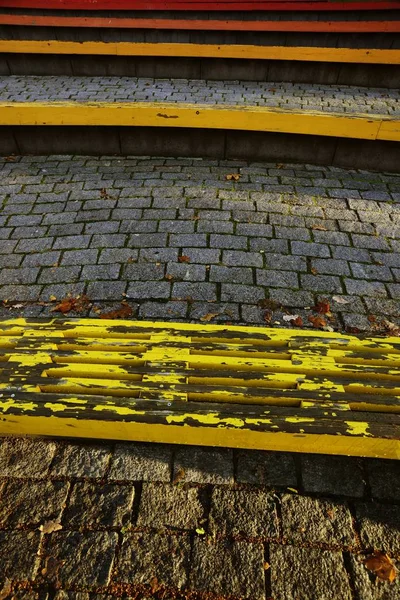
(371,318)
(322,307)
(105,195)
(183,259)
(232,177)
(50,526)
(298,322)
(120,313)
(169,277)
(209,316)
(76,304)
(268,317)
(319,228)
(317,322)
(6,589)
(269,304)
(380,564)
(180,474)
(350,329)
(314,271)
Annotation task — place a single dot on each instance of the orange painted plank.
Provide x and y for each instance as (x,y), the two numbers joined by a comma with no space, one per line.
(303,5)
(203,25)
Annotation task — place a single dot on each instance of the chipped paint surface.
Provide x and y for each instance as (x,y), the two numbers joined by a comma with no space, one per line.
(237,386)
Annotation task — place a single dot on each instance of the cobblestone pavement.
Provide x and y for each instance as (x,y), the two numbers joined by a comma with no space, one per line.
(282,236)
(342,99)
(152,522)
(159,522)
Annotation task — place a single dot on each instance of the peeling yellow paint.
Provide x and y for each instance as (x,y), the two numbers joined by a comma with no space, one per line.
(357,428)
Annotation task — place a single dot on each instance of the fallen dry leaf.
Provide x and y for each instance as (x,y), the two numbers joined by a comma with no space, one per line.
(232,177)
(50,526)
(209,316)
(266,566)
(120,313)
(319,228)
(268,317)
(200,531)
(340,300)
(105,195)
(179,475)
(72,304)
(169,277)
(350,329)
(183,259)
(380,564)
(314,271)
(317,322)
(371,318)
(269,304)
(6,589)
(298,322)
(53,298)
(322,307)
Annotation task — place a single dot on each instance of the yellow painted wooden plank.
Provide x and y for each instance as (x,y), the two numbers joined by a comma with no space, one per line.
(241,51)
(151,114)
(107,328)
(352,445)
(389,130)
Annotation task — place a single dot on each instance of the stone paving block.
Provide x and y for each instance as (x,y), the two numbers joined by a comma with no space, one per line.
(141,462)
(142,290)
(249,513)
(145,556)
(81,559)
(336,475)
(270,278)
(144,272)
(19,558)
(308,574)
(291,298)
(379,527)
(194,291)
(367,587)
(80,460)
(237,258)
(231,274)
(228,568)
(186,271)
(231,292)
(310,249)
(24,503)
(92,506)
(223,311)
(203,256)
(21,457)
(365,288)
(384,479)
(167,310)
(170,506)
(203,465)
(316,521)
(266,468)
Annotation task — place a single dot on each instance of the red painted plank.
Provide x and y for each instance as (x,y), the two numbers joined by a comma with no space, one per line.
(203,4)
(196,24)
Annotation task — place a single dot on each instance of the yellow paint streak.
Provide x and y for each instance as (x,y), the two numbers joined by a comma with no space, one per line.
(299,419)
(210,419)
(303,53)
(246,118)
(357,428)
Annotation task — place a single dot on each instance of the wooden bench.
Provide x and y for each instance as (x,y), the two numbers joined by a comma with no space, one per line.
(246,387)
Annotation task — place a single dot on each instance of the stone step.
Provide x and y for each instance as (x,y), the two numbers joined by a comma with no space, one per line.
(315,117)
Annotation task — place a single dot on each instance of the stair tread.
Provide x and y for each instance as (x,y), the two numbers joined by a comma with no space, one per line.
(287,96)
